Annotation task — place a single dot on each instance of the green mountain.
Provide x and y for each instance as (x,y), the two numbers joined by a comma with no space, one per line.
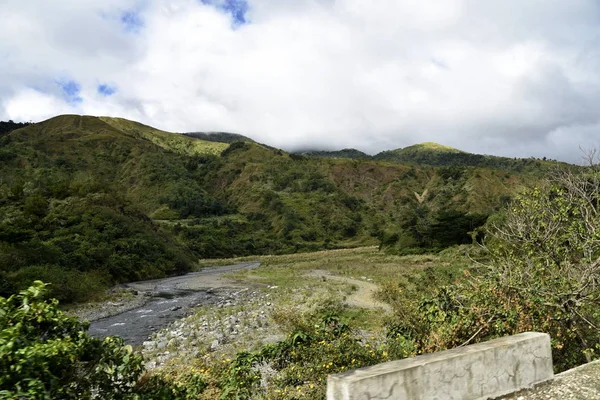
(221,137)
(437,155)
(76,194)
(344,153)
(86,202)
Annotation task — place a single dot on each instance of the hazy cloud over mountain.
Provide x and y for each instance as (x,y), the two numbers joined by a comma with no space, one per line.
(500,77)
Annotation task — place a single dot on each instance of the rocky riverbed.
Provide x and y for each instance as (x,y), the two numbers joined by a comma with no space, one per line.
(143,307)
(204,316)
(240,318)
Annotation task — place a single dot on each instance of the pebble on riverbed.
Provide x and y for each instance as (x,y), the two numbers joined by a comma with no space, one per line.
(227,325)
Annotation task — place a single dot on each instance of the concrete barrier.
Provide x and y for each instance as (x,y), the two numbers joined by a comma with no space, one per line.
(479,371)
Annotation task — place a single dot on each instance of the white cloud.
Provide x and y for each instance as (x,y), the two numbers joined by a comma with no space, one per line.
(502,77)
(32,105)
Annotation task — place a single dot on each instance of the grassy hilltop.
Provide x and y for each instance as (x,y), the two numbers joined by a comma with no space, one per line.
(437,155)
(89,201)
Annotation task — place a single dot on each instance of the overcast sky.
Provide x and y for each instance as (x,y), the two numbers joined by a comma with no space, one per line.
(505,77)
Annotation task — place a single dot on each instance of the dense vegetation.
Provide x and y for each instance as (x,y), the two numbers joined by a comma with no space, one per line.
(538,272)
(344,153)
(86,202)
(221,137)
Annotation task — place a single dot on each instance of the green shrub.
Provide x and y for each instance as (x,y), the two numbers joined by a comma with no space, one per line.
(540,273)
(63,284)
(318,344)
(45,354)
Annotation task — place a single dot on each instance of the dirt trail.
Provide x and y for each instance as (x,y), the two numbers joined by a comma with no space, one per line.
(363,297)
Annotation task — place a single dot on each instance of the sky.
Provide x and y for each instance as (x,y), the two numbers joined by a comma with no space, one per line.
(505,77)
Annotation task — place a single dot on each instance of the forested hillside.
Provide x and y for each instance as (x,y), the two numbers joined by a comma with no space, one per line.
(344,153)
(86,202)
(435,155)
(221,137)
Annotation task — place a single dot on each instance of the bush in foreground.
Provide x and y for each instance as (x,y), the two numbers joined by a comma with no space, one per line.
(541,274)
(45,354)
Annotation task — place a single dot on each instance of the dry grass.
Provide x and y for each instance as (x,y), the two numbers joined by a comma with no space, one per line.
(363,261)
(295,276)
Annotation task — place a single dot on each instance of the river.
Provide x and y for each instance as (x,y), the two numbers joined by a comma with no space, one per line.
(169,299)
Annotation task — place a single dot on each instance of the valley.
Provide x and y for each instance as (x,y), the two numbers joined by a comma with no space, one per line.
(269,300)
(89,202)
(237,270)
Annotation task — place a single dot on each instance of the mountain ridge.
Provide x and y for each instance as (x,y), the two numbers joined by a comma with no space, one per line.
(221,137)
(425,153)
(99,200)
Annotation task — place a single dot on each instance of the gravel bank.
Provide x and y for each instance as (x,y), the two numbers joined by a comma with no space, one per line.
(241,318)
(121,300)
(134,295)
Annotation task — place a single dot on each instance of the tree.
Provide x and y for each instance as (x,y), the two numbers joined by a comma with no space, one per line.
(548,246)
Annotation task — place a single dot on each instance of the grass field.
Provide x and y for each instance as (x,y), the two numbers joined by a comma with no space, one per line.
(342,273)
(367,262)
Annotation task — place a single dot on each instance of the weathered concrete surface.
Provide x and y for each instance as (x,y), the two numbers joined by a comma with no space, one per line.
(580,383)
(478,371)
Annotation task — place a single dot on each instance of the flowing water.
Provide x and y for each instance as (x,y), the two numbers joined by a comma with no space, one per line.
(170,299)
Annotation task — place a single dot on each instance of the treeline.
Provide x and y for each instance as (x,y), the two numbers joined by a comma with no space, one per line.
(344,153)
(9,126)
(424,231)
(460,159)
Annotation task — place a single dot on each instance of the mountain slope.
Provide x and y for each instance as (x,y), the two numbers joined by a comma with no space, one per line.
(76,194)
(436,155)
(221,137)
(344,153)
(88,201)
(179,143)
